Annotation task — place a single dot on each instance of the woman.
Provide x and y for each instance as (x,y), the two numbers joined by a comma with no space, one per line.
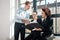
(45,22)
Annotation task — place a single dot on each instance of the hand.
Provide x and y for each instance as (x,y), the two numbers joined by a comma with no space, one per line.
(25,21)
(35,18)
(37,29)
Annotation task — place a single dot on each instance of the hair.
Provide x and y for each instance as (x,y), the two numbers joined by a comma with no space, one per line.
(35,12)
(47,11)
(27,2)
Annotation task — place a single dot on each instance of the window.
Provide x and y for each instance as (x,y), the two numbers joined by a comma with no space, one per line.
(12,17)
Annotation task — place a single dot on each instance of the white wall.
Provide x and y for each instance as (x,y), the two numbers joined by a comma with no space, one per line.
(4,19)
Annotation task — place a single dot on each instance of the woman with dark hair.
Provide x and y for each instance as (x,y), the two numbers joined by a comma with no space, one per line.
(45,22)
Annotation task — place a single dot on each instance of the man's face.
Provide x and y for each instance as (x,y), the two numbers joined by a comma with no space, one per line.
(27,7)
(34,14)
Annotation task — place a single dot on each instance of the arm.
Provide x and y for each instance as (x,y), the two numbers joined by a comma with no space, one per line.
(48,23)
(37,29)
(39,24)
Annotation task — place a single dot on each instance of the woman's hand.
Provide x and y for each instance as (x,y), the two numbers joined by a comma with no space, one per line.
(37,29)
(35,18)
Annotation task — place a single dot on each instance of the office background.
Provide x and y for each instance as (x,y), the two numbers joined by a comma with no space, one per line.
(8,8)
(54,6)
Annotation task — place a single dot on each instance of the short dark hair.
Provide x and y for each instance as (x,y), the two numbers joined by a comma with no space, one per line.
(35,12)
(27,2)
(47,11)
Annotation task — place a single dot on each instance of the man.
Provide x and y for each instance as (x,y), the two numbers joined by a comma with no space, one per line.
(21,18)
(35,28)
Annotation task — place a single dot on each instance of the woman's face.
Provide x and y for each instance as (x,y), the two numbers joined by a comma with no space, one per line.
(43,14)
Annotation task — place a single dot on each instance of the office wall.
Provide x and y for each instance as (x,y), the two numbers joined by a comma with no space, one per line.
(4,19)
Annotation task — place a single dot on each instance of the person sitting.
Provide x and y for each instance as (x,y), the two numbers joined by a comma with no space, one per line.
(33,26)
(45,22)
(33,23)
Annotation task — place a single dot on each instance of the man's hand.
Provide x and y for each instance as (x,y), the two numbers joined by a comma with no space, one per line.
(26,21)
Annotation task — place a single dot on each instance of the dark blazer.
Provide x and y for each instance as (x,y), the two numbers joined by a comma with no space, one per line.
(46,24)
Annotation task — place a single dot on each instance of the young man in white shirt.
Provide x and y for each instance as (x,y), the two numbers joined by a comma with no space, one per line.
(20,19)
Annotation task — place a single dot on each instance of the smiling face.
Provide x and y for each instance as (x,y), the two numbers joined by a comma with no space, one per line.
(27,7)
(34,15)
(43,14)
(46,12)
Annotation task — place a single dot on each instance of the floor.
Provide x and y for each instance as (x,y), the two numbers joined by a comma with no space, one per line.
(55,37)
